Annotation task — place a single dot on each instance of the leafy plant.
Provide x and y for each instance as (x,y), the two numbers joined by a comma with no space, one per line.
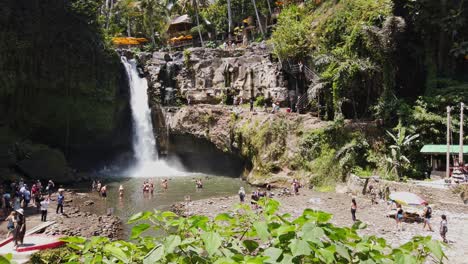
(401,141)
(260,101)
(247,236)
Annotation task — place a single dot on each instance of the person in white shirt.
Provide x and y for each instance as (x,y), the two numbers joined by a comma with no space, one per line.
(44,205)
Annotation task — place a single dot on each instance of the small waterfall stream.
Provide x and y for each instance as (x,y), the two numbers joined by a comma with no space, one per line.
(147,162)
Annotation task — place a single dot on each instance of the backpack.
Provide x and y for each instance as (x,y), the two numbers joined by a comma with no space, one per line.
(429,211)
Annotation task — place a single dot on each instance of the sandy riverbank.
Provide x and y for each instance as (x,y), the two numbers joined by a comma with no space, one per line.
(373,215)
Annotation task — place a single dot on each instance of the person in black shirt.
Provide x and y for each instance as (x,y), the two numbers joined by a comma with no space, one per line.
(427,217)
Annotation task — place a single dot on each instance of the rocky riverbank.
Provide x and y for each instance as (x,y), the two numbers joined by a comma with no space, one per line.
(375,216)
(75,220)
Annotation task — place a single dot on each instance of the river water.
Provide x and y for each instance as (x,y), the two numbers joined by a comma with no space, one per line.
(135,200)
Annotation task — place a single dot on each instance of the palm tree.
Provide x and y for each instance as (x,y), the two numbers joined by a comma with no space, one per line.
(400,141)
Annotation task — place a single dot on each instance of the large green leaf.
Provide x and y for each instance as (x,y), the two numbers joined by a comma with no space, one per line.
(402,258)
(262,230)
(251,245)
(171,242)
(5,259)
(436,249)
(212,242)
(116,252)
(273,254)
(76,240)
(139,216)
(138,229)
(154,255)
(299,247)
(342,251)
(311,232)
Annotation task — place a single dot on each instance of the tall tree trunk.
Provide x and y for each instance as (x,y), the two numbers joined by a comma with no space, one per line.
(442,50)
(109,14)
(269,7)
(128,27)
(258,18)
(229,18)
(153,40)
(198,23)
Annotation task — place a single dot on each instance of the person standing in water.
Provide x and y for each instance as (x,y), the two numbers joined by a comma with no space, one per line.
(199,184)
(104,191)
(151,186)
(241,194)
(164,184)
(353,209)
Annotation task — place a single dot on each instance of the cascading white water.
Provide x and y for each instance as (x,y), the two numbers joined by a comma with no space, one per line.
(144,144)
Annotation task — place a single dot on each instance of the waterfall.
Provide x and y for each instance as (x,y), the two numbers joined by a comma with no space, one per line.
(147,163)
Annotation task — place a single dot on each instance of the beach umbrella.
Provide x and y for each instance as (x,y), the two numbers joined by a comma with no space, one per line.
(407,198)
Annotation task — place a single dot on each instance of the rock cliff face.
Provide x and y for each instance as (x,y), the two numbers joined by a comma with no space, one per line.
(203,75)
(59,86)
(268,143)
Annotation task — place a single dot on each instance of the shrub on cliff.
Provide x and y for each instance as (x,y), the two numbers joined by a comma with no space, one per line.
(246,236)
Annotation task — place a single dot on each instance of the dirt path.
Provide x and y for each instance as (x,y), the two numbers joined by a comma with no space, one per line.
(373,215)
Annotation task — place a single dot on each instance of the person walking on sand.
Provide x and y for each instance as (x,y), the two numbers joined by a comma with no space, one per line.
(20,228)
(427,214)
(60,199)
(50,187)
(11,219)
(241,194)
(443,228)
(121,191)
(27,197)
(353,209)
(44,206)
(399,218)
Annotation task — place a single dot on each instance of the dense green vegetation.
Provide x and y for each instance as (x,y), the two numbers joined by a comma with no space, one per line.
(244,236)
(59,86)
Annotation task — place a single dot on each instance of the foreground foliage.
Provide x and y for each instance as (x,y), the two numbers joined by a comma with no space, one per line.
(247,236)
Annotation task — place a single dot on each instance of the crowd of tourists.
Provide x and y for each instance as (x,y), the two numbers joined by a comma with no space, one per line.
(20,198)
